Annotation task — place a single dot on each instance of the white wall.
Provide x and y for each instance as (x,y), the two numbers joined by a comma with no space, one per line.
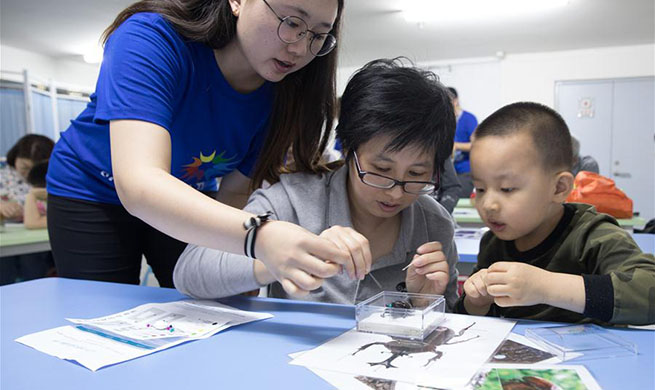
(64,72)
(15,60)
(533,76)
(486,84)
(69,72)
(478,83)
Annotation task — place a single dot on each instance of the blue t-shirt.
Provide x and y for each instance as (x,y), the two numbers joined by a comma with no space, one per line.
(151,73)
(466,125)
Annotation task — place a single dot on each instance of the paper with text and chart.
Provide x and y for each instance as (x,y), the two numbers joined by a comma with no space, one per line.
(99,342)
(435,361)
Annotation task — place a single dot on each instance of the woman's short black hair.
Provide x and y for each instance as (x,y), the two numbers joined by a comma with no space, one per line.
(386,97)
(33,147)
(36,175)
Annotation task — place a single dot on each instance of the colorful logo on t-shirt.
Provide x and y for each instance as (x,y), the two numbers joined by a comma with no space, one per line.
(206,167)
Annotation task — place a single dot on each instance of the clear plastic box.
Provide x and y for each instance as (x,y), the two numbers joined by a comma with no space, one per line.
(588,340)
(400,314)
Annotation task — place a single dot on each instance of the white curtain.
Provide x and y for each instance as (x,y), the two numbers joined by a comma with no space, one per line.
(12,118)
(42,115)
(12,115)
(68,110)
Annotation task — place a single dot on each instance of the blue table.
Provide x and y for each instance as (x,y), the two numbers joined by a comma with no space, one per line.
(645,241)
(251,356)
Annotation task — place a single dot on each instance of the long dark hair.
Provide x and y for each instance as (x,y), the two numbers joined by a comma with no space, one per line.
(36,175)
(304,103)
(33,147)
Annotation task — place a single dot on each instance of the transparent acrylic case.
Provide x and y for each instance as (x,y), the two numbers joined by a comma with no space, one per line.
(400,314)
(588,340)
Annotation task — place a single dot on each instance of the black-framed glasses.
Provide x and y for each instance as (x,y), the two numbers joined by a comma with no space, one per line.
(385,183)
(292,29)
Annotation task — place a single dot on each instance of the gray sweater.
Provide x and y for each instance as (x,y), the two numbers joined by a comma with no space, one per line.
(317,202)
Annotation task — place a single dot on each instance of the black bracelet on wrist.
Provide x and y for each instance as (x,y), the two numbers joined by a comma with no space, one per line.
(251,225)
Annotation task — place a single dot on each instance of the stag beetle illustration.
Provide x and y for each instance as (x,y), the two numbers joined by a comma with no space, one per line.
(514,352)
(377,383)
(401,347)
(530,383)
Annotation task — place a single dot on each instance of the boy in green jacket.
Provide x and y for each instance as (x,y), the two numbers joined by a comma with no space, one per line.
(544,259)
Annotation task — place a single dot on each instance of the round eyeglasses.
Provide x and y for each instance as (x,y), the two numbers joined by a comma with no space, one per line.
(385,183)
(293,29)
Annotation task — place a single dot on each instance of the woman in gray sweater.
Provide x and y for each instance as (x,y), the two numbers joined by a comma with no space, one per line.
(396,125)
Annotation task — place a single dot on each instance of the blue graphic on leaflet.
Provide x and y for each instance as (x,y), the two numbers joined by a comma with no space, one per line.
(149,345)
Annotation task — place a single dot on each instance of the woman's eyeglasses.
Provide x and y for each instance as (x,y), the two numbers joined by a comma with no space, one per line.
(384,182)
(292,29)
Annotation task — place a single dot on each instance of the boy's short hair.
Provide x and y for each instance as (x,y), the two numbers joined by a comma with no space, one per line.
(548,130)
(388,98)
(575,148)
(36,175)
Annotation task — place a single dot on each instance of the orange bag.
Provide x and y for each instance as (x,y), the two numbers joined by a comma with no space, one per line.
(601,192)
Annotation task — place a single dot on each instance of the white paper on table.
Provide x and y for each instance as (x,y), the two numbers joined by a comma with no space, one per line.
(103,341)
(351,382)
(475,345)
(348,381)
(187,318)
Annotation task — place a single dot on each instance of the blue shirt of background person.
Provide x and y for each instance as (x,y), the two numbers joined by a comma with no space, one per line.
(466,124)
(213,128)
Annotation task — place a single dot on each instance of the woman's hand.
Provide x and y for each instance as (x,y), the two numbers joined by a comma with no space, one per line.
(39,193)
(429,271)
(356,245)
(11,210)
(297,258)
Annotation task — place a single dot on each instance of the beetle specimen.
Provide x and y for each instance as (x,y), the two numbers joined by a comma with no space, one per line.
(399,304)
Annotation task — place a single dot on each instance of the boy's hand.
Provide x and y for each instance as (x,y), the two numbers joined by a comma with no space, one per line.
(477,300)
(429,271)
(517,284)
(356,245)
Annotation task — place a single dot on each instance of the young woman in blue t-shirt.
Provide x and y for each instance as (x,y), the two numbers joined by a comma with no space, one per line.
(189,92)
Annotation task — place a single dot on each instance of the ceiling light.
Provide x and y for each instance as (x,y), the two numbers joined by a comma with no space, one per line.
(449,10)
(93,55)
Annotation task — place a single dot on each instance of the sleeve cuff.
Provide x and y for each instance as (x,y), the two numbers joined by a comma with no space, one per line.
(599,297)
(459,306)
